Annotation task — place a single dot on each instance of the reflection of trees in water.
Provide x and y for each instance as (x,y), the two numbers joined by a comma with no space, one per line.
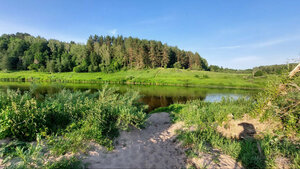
(163,101)
(153,100)
(153,96)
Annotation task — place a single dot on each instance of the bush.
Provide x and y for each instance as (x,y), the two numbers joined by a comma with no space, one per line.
(281,100)
(177,65)
(258,73)
(77,69)
(205,113)
(205,76)
(96,116)
(20,116)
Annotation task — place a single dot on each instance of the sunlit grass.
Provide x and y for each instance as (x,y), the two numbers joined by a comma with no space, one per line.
(159,76)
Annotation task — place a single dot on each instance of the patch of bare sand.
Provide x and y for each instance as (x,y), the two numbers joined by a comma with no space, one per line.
(282,163)
(213,160)
(152,147)
(234,127)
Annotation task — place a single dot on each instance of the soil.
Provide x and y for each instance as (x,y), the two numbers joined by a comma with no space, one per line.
(152,147)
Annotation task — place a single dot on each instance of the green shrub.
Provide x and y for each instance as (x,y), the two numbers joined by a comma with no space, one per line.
(205,76)
(64,163)
(258,73)
(177,65)
(97,116)
(21,116)
(206,113)
(281,100)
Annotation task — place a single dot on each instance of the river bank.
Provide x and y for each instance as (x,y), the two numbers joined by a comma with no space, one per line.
(160,76)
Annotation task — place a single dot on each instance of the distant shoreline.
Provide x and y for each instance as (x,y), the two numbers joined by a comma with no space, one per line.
(157,77)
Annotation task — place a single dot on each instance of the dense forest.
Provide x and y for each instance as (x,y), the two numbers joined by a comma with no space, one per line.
(21,51)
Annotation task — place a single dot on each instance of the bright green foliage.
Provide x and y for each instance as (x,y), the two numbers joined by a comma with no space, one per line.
(20,116)
(208,114)
(68,120)
(280,100)
(98,115)
(258,73)
(159,76)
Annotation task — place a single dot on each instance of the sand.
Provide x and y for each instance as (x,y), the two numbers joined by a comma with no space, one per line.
(152,147)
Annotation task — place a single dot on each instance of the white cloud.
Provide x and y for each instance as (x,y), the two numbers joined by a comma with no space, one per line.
(113,32)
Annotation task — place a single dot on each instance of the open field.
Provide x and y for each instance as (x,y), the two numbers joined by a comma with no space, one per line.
(160,76)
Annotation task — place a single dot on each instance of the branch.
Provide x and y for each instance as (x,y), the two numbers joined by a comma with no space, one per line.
(297,69)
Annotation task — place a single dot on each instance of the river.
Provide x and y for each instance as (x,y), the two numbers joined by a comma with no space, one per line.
(153,96)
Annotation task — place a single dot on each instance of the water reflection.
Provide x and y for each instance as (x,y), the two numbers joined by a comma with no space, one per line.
(153,96)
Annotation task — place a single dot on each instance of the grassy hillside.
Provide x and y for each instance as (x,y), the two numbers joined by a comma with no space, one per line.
(158,76)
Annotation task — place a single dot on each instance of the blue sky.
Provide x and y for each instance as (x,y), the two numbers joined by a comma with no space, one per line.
(229,33)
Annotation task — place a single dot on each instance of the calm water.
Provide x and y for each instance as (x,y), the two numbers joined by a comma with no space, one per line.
(153,96)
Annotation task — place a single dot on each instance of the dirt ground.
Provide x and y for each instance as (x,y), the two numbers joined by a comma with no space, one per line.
(153,147)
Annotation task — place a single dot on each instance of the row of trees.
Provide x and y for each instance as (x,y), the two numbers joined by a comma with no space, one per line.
(22,51)
(275,69)
(257,71)
(215,68)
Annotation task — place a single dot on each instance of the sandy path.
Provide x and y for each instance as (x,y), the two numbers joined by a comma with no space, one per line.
(152,147)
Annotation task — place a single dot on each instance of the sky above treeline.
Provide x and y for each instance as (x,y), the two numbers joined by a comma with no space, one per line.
(233,33)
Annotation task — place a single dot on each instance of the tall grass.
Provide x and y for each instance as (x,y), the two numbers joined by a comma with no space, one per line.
(205,117)
(67,120)
(279,102)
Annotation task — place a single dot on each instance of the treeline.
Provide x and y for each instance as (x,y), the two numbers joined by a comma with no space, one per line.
(276,69)
(21,51)
(215,68)
(257,71)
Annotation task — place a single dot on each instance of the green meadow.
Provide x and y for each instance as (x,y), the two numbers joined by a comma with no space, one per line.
(159,76)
